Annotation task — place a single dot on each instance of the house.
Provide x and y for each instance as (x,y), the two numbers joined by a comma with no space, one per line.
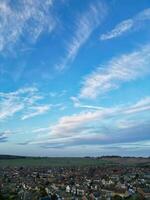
(68,189)
(145,192)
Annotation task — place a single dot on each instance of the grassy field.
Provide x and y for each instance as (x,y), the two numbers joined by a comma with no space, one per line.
(53,162)
(67,162)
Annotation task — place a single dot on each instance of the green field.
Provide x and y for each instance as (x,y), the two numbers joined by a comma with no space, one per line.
(12,161)
(53,162)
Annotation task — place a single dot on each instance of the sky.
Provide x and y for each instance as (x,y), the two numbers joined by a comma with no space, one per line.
(75,77)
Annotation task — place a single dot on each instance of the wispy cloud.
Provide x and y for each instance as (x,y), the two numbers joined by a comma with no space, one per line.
(25,100)
(85,25)
(117,71)
(71,127)
(130,123)
(114,136)
(92,127)
(131,24)
(41,130)
(140,106)
(58,94)
(78,104)
(36,110)
(28,20)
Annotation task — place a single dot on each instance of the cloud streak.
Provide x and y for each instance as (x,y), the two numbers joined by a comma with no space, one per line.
(96,127)
(125,68)
(131,24)
(85,25)
(27,21)
(25,101)
(35,111)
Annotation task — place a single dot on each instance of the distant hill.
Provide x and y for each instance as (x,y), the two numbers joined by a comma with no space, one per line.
(127,160)
(11,157)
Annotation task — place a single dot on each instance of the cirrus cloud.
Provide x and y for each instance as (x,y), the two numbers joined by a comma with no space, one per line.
(86,23)
(25,100)
(128,25)
(15,22)
(125,68)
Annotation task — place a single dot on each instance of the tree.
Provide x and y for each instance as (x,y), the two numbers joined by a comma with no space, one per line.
(117,197)
(1,196)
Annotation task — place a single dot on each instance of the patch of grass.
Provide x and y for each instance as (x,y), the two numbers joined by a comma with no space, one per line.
(53,162)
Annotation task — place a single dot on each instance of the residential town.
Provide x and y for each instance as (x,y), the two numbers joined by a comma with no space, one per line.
(75,183)
(74,99)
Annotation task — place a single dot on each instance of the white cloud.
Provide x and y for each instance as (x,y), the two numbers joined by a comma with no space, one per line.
(70,127)
(27,19)
(130,123)
(41,130)
(128,25)
(9,106)
(58,94)
(71,124)
(95,125)
(142,105)
(36,110)
(85,25)
(78,104)
(25,100)
(124,68)
(118,30)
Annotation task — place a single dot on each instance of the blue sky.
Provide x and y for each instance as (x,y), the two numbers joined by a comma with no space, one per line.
(75,77)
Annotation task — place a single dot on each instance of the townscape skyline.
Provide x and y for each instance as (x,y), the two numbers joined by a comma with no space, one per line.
(75,77)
